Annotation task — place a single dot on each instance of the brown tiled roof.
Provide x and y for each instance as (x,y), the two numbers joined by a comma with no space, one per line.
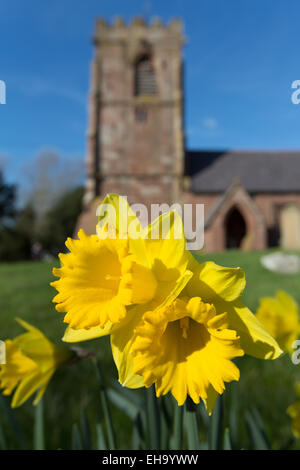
(257,171)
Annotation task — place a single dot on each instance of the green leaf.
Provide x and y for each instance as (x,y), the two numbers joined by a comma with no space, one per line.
(76,438)
(227,442)
(101,444)
(233,417)
(166,422)
(191,425)
(106,409)
(125,404)
(2,439)
(138,434)
(216,426)
(153,419)
(85,431)
(38,435)
(256,431)
(203,446)
(177,437)
(202,414)
(17,433)
(132,395)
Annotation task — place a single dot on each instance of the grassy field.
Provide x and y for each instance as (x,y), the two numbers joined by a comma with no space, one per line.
(25,293)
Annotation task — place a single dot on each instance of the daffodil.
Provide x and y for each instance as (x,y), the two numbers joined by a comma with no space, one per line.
(31,360)
(187,347)
(280,317)
(294,413)
(106,282)
(183,339)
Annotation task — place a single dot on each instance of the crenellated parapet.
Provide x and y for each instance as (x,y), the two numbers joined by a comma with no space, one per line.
(138,27)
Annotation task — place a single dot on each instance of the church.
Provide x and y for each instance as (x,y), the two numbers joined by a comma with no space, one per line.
(136,146)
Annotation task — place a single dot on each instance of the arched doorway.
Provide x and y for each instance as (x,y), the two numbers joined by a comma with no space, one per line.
(235,228)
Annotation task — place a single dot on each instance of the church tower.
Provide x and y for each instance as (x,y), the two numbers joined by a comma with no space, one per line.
(135,137)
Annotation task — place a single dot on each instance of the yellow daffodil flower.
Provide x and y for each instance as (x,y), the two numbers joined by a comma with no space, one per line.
(280,317)
(187,346)
(182,340)
(31,360)
(103,281)
(98,279)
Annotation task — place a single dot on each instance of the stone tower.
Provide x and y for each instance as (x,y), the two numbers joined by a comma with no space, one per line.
(135,137)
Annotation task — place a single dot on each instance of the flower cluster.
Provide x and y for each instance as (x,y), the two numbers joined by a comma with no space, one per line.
(172,321)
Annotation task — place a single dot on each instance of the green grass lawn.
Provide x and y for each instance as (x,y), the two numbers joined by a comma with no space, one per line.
(25,293)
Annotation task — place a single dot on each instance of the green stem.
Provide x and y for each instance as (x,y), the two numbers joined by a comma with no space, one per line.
(106,409)
(39,438)
(153,419)
(191,425)
(216,426)
(178,427)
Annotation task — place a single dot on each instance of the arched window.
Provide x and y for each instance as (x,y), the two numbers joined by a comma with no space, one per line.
(144,77)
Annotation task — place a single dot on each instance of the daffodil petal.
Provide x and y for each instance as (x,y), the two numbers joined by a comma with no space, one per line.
(116,211)
(75,336)
(124,224)
(43,386)
(166,246)
(211,399)
(29,327)
(36,346)
(121,342)
(29,385)
(211,281)
(254,338)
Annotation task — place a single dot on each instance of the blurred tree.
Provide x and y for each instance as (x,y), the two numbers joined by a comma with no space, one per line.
(47,177)
(14,246)
(59,222)
(26,221)
(7,202)
(16,239)
(48,217)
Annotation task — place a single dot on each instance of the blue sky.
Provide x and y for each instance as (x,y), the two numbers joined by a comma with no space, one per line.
(240,58)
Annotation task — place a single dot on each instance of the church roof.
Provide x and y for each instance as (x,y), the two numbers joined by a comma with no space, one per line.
(257,171)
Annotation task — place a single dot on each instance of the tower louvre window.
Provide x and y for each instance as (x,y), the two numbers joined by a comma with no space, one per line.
(145,81)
